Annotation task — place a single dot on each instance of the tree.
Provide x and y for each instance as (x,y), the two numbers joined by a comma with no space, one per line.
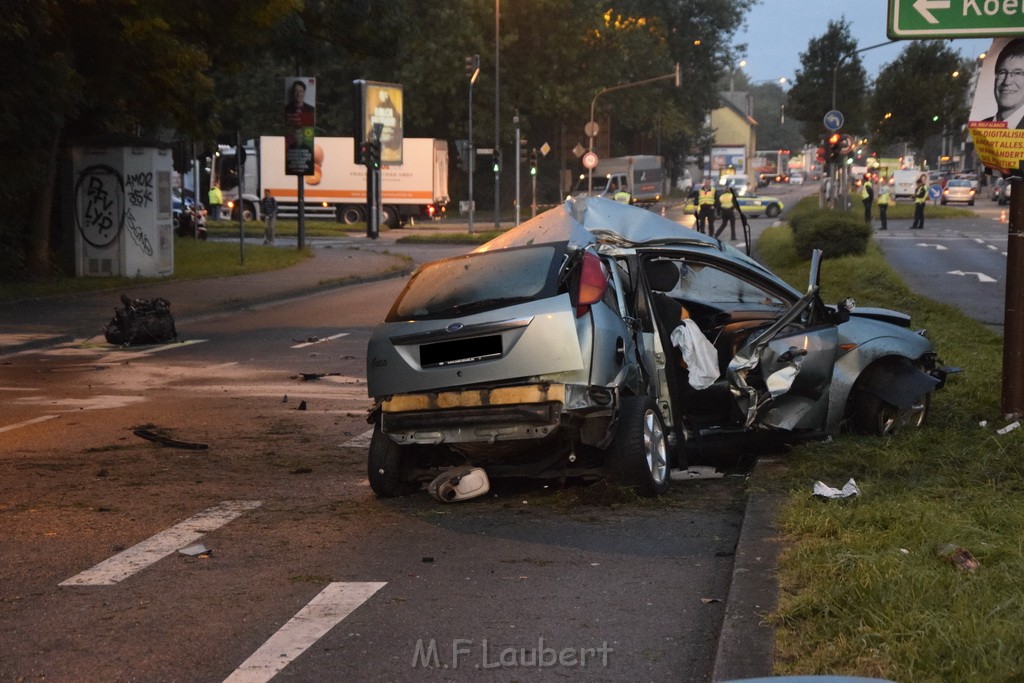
(917,96)
(75,69)
(830,61)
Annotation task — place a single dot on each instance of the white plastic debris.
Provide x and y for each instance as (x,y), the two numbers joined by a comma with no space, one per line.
(195,550)
(825,491)
(1009,428)
(461,483)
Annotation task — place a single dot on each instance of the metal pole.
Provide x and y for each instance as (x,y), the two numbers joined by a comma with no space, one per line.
(497,118)
(472,153)
(1013,316)
(519,150)
(240,204)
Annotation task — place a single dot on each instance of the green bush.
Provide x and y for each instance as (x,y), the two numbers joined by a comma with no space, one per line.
(834,232)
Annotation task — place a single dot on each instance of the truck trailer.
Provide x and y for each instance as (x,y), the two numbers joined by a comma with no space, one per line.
(336,190)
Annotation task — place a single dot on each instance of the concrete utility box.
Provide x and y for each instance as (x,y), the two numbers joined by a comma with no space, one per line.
(122,209)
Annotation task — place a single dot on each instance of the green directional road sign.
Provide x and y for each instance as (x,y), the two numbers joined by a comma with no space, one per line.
(955,18)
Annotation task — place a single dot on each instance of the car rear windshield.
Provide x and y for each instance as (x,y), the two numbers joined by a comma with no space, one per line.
(480,281)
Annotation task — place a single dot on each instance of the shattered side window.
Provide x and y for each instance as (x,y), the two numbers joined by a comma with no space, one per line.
(480,281)
(722,289)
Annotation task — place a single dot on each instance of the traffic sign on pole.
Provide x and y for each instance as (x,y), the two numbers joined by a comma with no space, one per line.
(833,119)
(910,19)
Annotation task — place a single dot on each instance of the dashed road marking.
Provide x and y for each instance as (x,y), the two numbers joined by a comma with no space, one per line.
(155,548)
(320,341)
(320,615)
(26,423)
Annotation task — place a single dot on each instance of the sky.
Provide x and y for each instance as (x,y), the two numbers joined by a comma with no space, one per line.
(779,30)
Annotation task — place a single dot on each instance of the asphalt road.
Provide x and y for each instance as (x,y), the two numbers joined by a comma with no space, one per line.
(306,571)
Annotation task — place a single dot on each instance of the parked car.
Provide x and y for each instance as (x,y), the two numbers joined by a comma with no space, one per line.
(188,217)
(796,179)
(548,352)
(959,190)
(999,191)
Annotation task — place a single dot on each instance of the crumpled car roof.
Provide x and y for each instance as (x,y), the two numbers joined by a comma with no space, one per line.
(588,220)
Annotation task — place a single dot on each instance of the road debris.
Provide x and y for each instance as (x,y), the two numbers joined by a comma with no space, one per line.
(195,550)
(959,557)
(168,441)
(823,490)
(461,483)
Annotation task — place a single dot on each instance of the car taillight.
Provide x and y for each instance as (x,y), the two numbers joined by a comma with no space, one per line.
(431,210)
(593,283)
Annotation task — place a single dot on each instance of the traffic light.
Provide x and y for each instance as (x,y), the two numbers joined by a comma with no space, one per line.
(834,144)
(374,154)
(496,162)
(472,67)
(523,150)
(533,162)
(364,153)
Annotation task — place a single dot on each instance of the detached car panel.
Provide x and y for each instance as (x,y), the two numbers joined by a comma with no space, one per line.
(548,352)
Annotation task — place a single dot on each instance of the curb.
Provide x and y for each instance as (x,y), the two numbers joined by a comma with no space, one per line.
(746,642)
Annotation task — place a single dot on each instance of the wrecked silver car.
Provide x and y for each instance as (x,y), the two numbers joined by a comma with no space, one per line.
(557,349)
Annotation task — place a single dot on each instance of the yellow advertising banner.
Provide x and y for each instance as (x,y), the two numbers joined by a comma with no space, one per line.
(996,121)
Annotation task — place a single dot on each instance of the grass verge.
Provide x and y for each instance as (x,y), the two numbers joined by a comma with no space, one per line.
(863,588)
(192,259)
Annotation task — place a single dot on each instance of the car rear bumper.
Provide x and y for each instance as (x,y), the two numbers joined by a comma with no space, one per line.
(524,412)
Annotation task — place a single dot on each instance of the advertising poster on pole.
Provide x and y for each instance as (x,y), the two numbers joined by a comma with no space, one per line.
(300,119)
(996,121)
(381,105)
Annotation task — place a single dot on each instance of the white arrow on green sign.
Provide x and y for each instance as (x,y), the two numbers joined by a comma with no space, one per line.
(955,18)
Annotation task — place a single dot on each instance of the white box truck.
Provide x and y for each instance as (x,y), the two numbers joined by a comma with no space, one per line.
(417,189)
(643,175)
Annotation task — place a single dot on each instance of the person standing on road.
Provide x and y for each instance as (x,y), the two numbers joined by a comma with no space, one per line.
(622,196)
(216,199)
(269,208)
(706,208)
(727,204)
(883,204)
(867,195)
(920,198)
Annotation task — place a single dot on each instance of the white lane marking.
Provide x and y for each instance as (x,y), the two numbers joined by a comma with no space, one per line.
(937,247)
(102,402)
(979,240)
(159,546)
(992,247)
(320,341)
(981,276)
(26,423)
(361,441)
(320,615)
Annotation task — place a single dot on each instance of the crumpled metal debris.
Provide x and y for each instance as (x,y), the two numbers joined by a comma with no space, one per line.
(823,490)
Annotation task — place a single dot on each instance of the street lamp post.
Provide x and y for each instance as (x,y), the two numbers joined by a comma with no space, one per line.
(592,125)
(497,117)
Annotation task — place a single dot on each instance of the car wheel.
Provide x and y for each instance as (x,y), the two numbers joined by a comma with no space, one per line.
(943,202)
(638,455)
(389,467)
(874,417)
(970,203)
(351,214)
(772,211)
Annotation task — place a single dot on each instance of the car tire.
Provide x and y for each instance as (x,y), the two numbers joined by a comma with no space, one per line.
(772,211)
(970,203)
(873,416)
(389,467)
(638,455)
